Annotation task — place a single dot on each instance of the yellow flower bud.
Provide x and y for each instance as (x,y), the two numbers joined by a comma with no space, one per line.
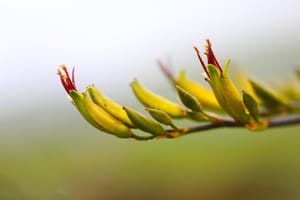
(152,100)
(226,93)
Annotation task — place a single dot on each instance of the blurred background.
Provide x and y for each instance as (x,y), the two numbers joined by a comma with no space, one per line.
(47,151)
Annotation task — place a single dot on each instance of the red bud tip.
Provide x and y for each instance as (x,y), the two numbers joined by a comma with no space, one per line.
(211,58)
(201,60)
(67,82)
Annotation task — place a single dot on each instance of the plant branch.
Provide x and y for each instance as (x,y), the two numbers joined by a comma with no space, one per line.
(256,109)
(275,122)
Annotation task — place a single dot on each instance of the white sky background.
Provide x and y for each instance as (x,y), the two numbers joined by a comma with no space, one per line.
(111,42)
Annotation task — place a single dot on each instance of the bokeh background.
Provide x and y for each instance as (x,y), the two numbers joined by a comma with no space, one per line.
(48,152)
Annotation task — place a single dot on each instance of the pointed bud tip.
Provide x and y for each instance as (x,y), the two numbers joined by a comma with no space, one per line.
(67,82)
(208,42)
(196,49)
(63,67)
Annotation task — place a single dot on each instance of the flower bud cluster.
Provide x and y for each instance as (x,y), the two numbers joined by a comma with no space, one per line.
(213,105)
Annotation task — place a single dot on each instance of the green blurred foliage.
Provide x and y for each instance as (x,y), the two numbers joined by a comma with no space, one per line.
(68,159)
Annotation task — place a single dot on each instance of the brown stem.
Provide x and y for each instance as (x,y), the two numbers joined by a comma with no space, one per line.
(276,122)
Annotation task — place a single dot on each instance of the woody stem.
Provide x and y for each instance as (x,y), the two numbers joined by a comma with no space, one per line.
(276,122)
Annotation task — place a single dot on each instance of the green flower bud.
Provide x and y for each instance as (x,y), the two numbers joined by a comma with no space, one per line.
(188,100)
(204,96)
(159,116)
(273,103)
(144,123)
(251,105)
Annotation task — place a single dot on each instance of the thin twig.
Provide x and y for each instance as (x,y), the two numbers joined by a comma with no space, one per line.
(277,122)
(286,121)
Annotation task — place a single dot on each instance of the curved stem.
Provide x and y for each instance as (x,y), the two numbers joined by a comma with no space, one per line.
(284,121)
(276,122)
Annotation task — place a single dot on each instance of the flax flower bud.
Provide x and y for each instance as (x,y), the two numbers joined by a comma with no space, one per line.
(225,91)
